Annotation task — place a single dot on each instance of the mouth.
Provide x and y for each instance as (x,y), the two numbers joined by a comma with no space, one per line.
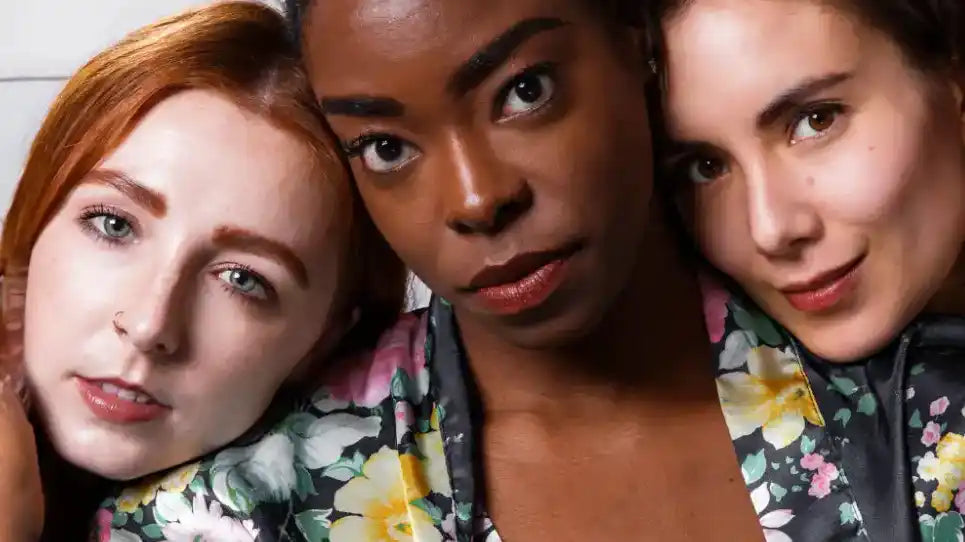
(826,290)
(522,282)
(116,401)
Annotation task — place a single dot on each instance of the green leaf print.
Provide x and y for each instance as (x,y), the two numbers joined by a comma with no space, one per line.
(775,466)
(844,386)
(434,511)
(463,511)
(139,516)
(778,491)
(304,485)
(867,404)
(152,531)
(401,384)
(197,486)
(345,469)
(948,527)
(753,467)
(314,524)
(807,445)
(915,420)
(796,489)
(927,526)
(846,512)
(758,323)
(844,416)
(120,519)
(918,369)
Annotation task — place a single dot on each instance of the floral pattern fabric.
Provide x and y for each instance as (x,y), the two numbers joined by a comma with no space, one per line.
(872,450)
(384,451)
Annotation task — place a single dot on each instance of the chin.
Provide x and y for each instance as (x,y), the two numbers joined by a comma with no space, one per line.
(104,457)
(852,340)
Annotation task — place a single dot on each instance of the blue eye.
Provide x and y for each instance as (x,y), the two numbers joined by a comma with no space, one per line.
(112,225)
(107,224)
(243,281)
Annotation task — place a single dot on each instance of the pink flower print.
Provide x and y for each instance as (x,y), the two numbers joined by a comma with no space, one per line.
(812,461)
(820,486)
(403,413)
(103,521)
(960,498)
(367,381)
(938,406)
(931,434)
(715,307)
(829,471)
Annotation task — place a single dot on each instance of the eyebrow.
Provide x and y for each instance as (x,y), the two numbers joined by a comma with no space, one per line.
(466,77)
(242,239)
(362,106)
(495,53)
(793,97)
(151,200)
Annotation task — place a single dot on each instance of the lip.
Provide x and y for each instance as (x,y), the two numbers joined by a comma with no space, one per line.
(826,290)
(522,282)
(112,408)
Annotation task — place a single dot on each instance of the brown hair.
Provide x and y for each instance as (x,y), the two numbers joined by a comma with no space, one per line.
(931,33)
(239,49)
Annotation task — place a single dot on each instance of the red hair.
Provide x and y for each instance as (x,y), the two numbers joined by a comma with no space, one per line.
(239,49)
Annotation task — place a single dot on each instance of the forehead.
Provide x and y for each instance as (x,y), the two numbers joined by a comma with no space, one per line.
(216,164)
(349,37)
(752,50)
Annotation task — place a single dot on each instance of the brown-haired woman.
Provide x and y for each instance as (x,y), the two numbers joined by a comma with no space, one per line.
(184,243)
(818,151)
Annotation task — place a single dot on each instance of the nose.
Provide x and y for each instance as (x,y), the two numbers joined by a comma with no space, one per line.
(782,218)
(152,321)
(486,197)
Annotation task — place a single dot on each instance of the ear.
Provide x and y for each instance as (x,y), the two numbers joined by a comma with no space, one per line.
(335,330)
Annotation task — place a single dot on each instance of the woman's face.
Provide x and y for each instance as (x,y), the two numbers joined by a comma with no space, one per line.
(177,288)
(501,146)
(818,167)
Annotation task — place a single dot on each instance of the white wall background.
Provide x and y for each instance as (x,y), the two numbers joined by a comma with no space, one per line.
(41,43)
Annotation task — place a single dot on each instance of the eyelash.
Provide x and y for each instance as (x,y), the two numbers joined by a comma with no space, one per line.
(84,220)
(353,148)
(548,69)
(269,291)
(834,107)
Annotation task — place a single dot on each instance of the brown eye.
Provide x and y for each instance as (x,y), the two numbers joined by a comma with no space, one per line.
(820,121)
(815,123)
(706,169)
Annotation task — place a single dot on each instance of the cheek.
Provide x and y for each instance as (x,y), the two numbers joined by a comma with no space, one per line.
(719,221)
(870,183)
(70,290)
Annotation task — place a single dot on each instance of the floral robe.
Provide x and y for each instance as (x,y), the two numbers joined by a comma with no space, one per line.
(384,452)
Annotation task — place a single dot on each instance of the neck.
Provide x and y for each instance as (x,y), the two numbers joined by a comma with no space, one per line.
(71,495)
(650,347)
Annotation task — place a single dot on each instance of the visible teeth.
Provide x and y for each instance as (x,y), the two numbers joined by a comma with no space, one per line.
(125,394)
